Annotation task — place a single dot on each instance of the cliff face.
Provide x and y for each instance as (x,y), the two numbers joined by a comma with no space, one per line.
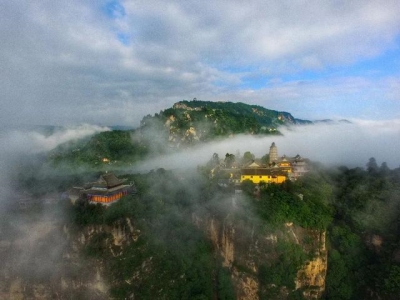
(66,262)
(244,250)
(242,247)
(225,239)
(191,122)
(311,277)
(82,250)
(41,260)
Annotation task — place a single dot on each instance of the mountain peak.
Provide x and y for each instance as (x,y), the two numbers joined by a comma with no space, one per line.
(197,120)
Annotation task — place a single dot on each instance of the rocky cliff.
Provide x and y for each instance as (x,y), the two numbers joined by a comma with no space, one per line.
(58,261)
(40,260)
(189,122)
(311,277)
(243,251)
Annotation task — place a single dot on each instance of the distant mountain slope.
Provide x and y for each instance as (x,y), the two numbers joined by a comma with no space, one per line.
(263,116)
(101,149)
(184,124)
(189,121)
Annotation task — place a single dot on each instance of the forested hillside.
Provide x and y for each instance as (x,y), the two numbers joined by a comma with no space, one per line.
(358,208)
(104,148)
(182,233)
(205,120)
(186,124)
(176,221)
(330,234)
(364,256)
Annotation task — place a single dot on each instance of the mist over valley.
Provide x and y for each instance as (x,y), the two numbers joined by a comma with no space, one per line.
(187,213)
(200,150)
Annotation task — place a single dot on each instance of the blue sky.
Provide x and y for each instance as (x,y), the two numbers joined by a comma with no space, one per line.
(111,62)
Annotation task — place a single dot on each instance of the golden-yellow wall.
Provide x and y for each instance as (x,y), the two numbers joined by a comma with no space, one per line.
(265,178)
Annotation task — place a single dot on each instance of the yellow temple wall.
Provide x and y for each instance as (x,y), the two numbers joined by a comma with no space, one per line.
(263,178)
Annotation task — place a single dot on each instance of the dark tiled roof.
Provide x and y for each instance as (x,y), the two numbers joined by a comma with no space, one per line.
(110,180)
(108,192)
(75,191)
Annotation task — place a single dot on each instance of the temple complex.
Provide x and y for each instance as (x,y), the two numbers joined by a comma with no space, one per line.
(277,170)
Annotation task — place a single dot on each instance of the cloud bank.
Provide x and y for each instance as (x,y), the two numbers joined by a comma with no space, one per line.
(19,150)
(31,142)
(333,145)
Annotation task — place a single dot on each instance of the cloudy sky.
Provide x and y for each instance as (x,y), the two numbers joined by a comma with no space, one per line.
(111,62)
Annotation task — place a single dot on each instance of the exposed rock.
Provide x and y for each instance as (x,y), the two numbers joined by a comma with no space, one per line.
(247,286)
(311,278)
(180,105)
(245,251)
(16,292)
(242,248)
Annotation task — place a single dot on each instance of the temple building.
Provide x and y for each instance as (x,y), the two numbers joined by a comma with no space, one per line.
(108,189)
(277,170)
(299,166)
(258,175)
(294,166)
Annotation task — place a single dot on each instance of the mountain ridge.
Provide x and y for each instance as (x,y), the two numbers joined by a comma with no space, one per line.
(194,121)
(184,124)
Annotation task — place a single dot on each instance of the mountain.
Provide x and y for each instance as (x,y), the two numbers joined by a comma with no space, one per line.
(332,234)
(191,121)
(332,122)
(185,124)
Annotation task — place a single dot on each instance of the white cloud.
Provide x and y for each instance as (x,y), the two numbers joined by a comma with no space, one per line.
(333,145)
(16,142)
(63,63)
(331,31)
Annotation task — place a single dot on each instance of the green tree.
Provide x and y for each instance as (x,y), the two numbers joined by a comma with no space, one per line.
(229,160)
(372,166)
(248,187)
(247,157)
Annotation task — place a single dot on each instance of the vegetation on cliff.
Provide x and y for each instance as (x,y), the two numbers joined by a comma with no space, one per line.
(170,252)
(306,202)
(364,260)
(358,207)
(171,255)
(110,147)
(171,258)
(206,120)
(185,124)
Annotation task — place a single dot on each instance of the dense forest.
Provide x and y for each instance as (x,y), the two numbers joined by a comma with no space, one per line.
(364,256)
(359,208)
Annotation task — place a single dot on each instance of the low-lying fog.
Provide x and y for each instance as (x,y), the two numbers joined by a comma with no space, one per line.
(331,144)
(40,239)
(17,144)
